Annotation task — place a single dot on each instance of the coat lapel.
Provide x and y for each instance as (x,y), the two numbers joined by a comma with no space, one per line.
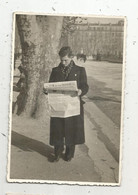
(60,74)
(72,74)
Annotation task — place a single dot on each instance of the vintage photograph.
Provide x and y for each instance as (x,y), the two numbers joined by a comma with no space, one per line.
(66,99)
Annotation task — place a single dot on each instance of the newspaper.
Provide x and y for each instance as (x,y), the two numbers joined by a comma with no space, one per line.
(64,86)
(63,99)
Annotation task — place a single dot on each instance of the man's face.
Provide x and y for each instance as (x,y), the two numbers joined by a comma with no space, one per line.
(65,60)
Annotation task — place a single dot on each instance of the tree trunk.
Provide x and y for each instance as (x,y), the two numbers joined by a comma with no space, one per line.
(39,37)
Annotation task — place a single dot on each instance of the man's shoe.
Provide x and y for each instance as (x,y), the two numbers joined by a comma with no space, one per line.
(56,159)
(68,159)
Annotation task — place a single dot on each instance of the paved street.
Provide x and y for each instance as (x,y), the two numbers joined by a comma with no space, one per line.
(95,161)
(105,87)
(102,116)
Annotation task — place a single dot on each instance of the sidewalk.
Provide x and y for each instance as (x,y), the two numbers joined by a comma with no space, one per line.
(93,161)
(30,153)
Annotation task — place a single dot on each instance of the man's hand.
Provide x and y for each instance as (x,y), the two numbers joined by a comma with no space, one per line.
(79,92)
(45,91)
(73,93)
(76,93)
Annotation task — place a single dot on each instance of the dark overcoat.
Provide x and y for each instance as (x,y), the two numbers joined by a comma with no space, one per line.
(72,128)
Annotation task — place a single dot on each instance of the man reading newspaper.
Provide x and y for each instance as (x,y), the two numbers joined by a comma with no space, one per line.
(68,129)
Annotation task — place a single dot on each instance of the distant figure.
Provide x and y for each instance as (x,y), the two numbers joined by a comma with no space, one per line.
(98,57)
(21,88)
(81,50)
(81,57)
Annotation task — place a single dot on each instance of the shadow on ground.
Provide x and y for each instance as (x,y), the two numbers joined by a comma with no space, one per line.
(29,144)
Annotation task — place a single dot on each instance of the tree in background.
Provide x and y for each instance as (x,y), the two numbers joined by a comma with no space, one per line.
(69,27)
(39,37)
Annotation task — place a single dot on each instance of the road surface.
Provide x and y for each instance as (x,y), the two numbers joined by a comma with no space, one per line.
(103,113)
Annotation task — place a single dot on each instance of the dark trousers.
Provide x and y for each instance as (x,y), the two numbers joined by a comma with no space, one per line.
(58,149)
(70,150)
(69,153)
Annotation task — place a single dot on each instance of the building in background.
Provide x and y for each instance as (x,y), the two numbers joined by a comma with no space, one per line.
(101,41)
(99,38)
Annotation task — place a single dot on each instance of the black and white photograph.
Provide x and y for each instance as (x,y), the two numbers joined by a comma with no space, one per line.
(67,90)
